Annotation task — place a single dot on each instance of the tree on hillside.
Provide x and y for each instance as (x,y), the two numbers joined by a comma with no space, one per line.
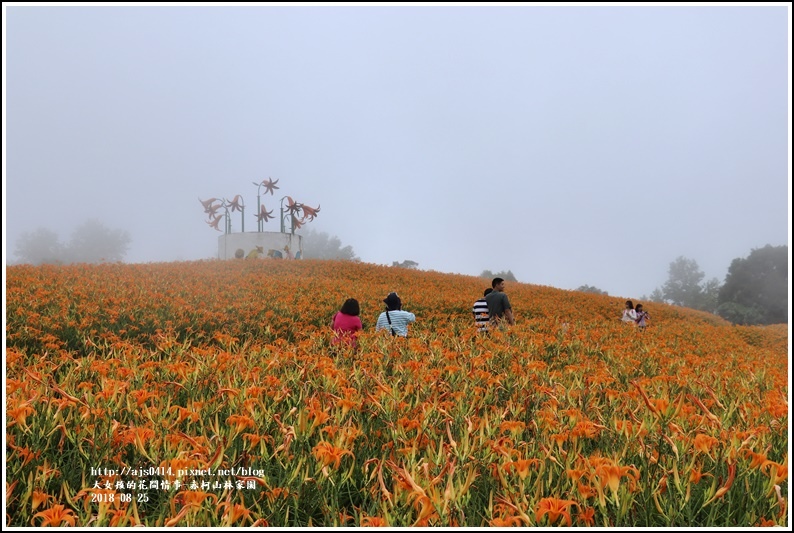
(40,246)
(507,276)
(406,264)
(594,290)
(685,287)
(321,245)
(756,288)
(683,284)
(94,242)
(656,296)
(709,296)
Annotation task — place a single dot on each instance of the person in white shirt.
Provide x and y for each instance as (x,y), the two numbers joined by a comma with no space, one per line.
(629,314)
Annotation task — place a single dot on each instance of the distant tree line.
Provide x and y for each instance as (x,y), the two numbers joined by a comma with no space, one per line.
(507,276)
(755,289)
(91,242)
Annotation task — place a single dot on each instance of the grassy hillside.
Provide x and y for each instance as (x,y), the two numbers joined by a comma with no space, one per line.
(221,371)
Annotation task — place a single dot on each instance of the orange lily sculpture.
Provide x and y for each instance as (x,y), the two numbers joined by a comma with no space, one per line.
(264,214)
(215,222)
(310,212)
(207,203)
(237,203)
(292,206)
(269,185)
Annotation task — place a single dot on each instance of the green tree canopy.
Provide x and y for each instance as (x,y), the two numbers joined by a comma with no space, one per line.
(756,288)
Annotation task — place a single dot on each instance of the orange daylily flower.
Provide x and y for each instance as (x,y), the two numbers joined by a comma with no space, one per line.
(20,414)
(777,472)
(327,453)
(509,521)
(586,429)
(407,424)
(346,405)
(522,466)
(38,498)
(318,417)
(373,521)
(234,512)
(696,474)
(757,460)
(512,426)
(704,443)
(610,475)
(555,508)
(586,491)
(586,516)
(55,515)
(240,422)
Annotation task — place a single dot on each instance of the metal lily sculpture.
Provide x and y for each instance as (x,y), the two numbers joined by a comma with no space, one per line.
(295,213)
(213,205)
(237,204)
(269,186)
(211,208)
(292,211)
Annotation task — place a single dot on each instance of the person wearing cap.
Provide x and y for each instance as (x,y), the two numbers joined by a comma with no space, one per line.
(394,318)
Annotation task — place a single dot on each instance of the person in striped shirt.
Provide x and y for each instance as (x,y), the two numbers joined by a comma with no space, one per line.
(394,318)
(480,311)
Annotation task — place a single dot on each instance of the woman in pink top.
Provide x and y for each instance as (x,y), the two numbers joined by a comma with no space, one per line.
(346,322)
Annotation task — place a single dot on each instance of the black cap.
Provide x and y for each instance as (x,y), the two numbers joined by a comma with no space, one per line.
(392,301)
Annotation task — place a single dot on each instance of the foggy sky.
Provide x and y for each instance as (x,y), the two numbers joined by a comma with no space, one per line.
(571,145)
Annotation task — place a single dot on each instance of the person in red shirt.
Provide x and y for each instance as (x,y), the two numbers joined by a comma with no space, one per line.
(346,323)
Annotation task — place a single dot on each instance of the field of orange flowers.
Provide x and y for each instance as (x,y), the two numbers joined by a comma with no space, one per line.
(206,394)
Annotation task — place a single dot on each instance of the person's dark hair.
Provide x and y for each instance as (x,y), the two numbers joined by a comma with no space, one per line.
(487,292)
(638,308)
(630,304)
(496,281)
(350,307)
